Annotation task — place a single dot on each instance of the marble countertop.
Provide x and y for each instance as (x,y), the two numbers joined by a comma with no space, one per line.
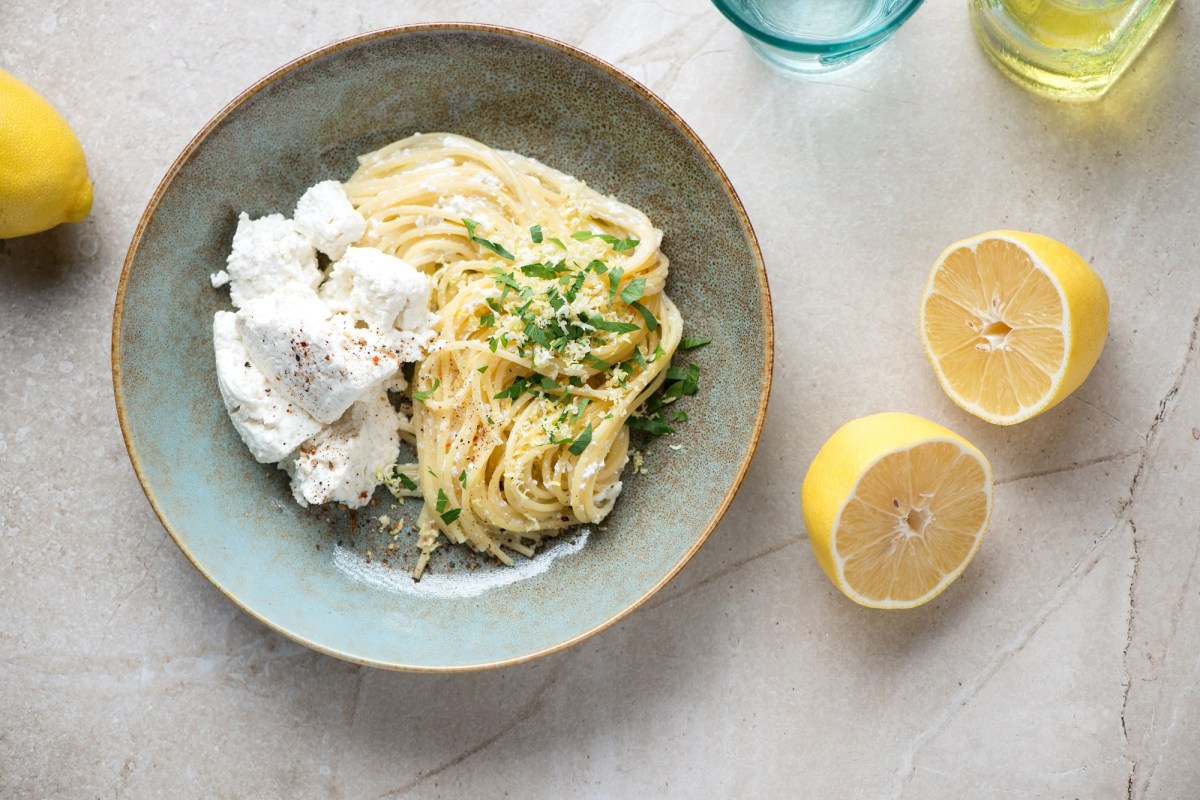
(1063,663)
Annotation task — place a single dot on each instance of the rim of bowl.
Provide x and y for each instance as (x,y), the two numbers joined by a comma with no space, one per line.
(800,44)
(394,32)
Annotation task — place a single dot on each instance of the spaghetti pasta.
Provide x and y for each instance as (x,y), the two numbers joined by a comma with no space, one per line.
(554,326)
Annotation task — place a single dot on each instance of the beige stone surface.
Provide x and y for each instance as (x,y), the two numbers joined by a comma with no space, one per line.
(1065,661)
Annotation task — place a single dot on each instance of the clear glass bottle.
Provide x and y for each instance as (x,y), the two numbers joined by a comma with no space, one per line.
(1070,49)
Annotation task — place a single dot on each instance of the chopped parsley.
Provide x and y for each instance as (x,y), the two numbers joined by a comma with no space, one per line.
(547,270)
(405,481)
(482,369)
(653,425)
(535,233)
(634,290)
(573,291)
(557,241)
(614,278)
(601,324)
(425,395)
(655,418)
(495,248)
(451,515)
(462,478)
(442,501)
(505,279)
(515,390)
(536,334)
(651,322)
(619,245)
(692,342)
(488,320)
(597,362)
(581,441)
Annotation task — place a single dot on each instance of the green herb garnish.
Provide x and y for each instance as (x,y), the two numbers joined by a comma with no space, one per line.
(442,501)
(619,245)
(425,395)
(693,342)
(495,248)
(634,290)
(651,322)
(581,441)
(535,233)
(614,278)
(536,334)
(597,362)
(652,425)
(601,324)
(547,270)
(451,515)
(405,481)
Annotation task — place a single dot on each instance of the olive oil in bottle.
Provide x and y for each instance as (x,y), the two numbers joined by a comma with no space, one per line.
(1071,49)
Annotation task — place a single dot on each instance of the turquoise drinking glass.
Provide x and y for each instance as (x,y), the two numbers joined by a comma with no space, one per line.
(816,36)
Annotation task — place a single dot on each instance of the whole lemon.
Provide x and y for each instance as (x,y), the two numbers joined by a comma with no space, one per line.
(43,172)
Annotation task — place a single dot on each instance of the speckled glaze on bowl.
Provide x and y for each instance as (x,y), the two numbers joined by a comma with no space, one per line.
(306,574)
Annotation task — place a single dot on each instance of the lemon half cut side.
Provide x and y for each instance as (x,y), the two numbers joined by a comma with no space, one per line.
(1012,323)
(896,507)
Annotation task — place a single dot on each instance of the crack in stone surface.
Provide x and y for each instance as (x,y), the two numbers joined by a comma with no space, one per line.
(1080,570)
(1164,408)
(1113,417)
(972,687)
(736,565)
(1072,467)
(1173,626)
(526,712)
(1127,679)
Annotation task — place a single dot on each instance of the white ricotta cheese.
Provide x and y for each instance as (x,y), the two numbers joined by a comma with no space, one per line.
(328,220)
(318,360)
(305,375)
(270,425)
(340,463)
(269,255)
(379,289)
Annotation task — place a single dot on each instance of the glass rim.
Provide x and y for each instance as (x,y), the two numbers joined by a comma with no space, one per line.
(803,45)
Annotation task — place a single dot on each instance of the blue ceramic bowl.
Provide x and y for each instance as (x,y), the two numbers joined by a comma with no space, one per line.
(325,577)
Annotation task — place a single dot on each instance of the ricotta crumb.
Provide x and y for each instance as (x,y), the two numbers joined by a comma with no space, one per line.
(381,290)
(269,424)
(318,360)
(219,278)
(340,464)
(326,217)
(270,255)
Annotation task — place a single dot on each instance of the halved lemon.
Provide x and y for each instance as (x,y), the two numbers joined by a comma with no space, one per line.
(1013,323)
(896,507)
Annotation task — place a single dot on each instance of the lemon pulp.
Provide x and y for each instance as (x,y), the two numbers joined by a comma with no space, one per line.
(1013,323)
